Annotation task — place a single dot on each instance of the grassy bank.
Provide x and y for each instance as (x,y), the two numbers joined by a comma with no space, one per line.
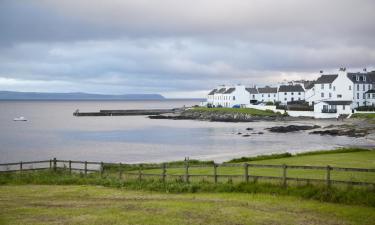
(349,158)
(33,204)
(248,111)
(364,116)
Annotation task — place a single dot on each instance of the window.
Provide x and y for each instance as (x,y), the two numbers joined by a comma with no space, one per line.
(292,93)
(334,88)
(284,93)
(299,93)
(350,87)
(269,95)
(364,87)
(330,86)
(330,95)
(343,107)
(274,95)
(285,99)
(322,95)
(322,86)
(253,96)
(358,87)
(339,96)
(262,95)
(373,95)
(364,96)
(357,95)
(364,78)
(234,98)
(357,78)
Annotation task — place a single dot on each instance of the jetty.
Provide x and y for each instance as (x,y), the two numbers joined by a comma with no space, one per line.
(128,112)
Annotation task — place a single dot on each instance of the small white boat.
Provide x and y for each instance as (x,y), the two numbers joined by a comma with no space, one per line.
(21,118)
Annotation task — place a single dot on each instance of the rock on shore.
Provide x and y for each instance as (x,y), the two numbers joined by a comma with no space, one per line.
(217,116)
(291,128)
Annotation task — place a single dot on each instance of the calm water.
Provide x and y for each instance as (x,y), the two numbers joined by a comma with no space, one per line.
(52,131)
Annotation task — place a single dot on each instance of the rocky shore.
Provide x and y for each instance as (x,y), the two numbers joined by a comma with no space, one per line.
(219,116)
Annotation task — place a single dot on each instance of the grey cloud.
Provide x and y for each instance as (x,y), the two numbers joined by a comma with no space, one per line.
(170,46)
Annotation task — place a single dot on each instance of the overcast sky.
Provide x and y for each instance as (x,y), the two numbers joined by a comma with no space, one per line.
(178,48)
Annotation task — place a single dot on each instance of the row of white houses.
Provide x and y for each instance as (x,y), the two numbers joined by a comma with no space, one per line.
(330,93)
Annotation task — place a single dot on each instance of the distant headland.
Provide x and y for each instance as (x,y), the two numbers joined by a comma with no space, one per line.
(13,95)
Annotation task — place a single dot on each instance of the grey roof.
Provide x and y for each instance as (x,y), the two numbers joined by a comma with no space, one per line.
(308,85)
(221,91)
(338,102)
(252,90)
(364,78)
(267,89)
(212,92)
(370,91)
(326,79)
(291,88)
(230,90)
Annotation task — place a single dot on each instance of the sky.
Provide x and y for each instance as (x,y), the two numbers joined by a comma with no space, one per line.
(178,48)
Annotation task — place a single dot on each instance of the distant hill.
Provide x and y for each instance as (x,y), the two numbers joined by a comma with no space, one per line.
(12,95)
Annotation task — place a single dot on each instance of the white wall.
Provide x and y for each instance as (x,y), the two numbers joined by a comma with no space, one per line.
(285,97)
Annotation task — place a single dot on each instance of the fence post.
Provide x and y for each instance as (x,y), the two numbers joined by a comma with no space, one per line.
(21,167)
(246,167)
(54,164)
(70,166)
(101,169)
(164,171)
(120,171)
(328,177)
(187,170)
(85,167)
(140,172)
(284,175)
(50,164)
(215,172)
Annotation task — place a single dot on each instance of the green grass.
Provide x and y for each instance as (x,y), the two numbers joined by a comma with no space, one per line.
(349,158)
(253,112)
(363,115)
(34,204)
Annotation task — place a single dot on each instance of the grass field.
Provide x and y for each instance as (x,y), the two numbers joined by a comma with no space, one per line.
(34,204)
(364,115)
(254,112)
(360,159)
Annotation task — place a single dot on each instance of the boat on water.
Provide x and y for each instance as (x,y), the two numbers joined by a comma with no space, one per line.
(21,118)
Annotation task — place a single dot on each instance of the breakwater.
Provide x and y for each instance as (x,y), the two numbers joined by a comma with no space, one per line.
(130,112)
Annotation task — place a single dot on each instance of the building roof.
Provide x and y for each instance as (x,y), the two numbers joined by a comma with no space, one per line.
(362,77)
(338,102)
(267,89)
(370,91)
(221,91)
(229,90)
(308,85)
(252,90)
(291,88)
(326,79)
(212,92)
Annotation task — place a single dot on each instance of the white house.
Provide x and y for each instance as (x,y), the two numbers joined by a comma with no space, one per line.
(228,96)
(291,93)
(362,82)
(267,94)
(370,97)
(253,93)
(333,107)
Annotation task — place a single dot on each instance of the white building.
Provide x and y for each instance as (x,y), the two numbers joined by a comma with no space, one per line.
(291,93)
(267,94)
(253,92)
(370,97)
(228,96)
(333,107)
(362,82)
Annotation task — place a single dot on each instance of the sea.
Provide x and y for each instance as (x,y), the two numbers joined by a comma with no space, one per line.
(53,132)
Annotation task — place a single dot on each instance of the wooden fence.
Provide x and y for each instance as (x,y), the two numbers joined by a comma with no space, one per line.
(142,171)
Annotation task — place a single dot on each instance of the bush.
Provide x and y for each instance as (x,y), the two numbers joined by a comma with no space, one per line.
(366,108)
(269,103)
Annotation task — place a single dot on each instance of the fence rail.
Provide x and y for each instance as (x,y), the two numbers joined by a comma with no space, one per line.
(141,170)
